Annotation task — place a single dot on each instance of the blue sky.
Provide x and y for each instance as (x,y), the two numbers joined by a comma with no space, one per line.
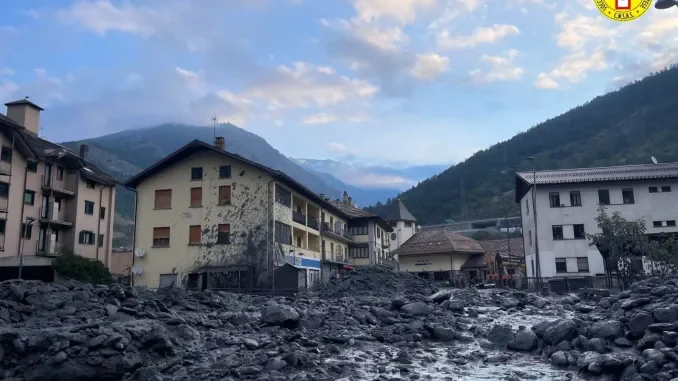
(379,81)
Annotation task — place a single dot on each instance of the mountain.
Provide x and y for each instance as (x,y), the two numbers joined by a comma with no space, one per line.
(626,126)
(126,153)
(368,184)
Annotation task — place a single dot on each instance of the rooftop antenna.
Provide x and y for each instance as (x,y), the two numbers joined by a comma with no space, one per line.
(214,121)
(654,160)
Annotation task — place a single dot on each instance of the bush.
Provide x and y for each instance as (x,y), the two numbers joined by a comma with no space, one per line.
(73,266)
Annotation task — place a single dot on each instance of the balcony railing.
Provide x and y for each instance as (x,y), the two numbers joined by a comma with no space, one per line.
(50,249)
(66,186)
(52,214)
(313,223)
(5,168)
(299,218)
(3,204)
(336,231)
(337,257)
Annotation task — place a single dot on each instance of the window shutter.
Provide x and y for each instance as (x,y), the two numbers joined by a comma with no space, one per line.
(196,197)
(81,237)
(163,199)
(224,194)
(194,234)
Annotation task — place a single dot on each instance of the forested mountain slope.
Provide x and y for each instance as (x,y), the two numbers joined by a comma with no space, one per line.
(627,126)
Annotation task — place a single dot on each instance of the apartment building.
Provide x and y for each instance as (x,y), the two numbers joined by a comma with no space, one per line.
(567,204)
(209,218)
(52,200)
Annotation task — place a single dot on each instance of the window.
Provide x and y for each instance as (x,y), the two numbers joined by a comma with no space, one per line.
(102,212)
(26,231)
(561,265)
(579,232)
(557,232)
(283,233)
(29,197)
(163,199)
(554,200)
(359,252)
(225,172)
(575,198)
(582,264)
(224,236)
(194,235)
(378,233)
(196,197)
(530,235)
(654,189)
(671,223)
(408,224)
(86,237)
(90,183)
(101,240)
(224,195)
(4,190)
(358,230)
(527,207)
(604,196)
(627,196)
(6,154)
(196,173)
(32,167)
(283,196)
(60,175)
(89,207)
(161,237)
(656,224)
(666,188)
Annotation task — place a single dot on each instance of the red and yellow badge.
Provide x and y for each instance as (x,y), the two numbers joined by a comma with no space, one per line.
(623,10)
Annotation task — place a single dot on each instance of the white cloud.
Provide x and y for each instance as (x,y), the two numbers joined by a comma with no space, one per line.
(489,35)
(430,65)
(576,32)
(6,71)
(387,38)
(503,68)
(401,11)
(322,118)
(573,68)
(373,180)
(337,147)
(103,17)
(545,82)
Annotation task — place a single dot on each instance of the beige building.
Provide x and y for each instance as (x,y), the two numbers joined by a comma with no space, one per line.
(437,254)
(52,200)
(121,264)
(208,218)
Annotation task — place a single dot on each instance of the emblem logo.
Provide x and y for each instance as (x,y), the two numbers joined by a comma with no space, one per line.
(622,10)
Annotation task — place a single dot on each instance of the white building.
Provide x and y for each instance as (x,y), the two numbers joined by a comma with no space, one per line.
(402,221)
(567,204)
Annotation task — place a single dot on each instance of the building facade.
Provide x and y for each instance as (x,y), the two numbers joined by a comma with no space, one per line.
(402,222)
(52,200)
(567,203)
(208,218)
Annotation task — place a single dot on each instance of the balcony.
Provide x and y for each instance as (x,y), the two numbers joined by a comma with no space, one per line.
(52,215)
(3,204)
(5,168)
(50,249)
(337,233)
(313,223)
(299,218)
(337,257)
(66,186)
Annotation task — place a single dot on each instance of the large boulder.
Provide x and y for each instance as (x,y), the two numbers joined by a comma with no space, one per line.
(524,341)
(639,323)
(416,309)
(277,314)
(501,335)
(607,329)
(560,330)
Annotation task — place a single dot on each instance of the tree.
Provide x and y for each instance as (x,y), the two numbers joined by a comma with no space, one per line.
(662,256)
(622,244)
(76,267)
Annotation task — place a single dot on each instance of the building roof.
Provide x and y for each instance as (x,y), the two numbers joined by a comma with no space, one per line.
(197,146)
(501,246)
(475,262)
(356,213)
(524,180)
(397,211)
(24,102)
(438,241)
(41,149)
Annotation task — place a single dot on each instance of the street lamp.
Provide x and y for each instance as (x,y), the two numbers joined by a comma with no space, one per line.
(534,213)
(665,4)
(29,223)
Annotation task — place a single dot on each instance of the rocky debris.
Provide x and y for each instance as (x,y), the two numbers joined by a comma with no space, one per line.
(375,281)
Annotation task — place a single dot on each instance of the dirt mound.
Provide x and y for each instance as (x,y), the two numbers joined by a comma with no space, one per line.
(374,281)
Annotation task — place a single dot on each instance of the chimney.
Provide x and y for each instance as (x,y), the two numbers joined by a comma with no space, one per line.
(219,143)
(26,113)
(322,195)
(84,150)
(350,200)
(345,197)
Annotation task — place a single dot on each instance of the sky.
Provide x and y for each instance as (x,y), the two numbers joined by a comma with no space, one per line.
(376,81)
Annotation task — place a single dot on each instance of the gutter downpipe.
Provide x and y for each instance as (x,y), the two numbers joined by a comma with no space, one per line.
(134,233)
(22,233)
(98,216)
